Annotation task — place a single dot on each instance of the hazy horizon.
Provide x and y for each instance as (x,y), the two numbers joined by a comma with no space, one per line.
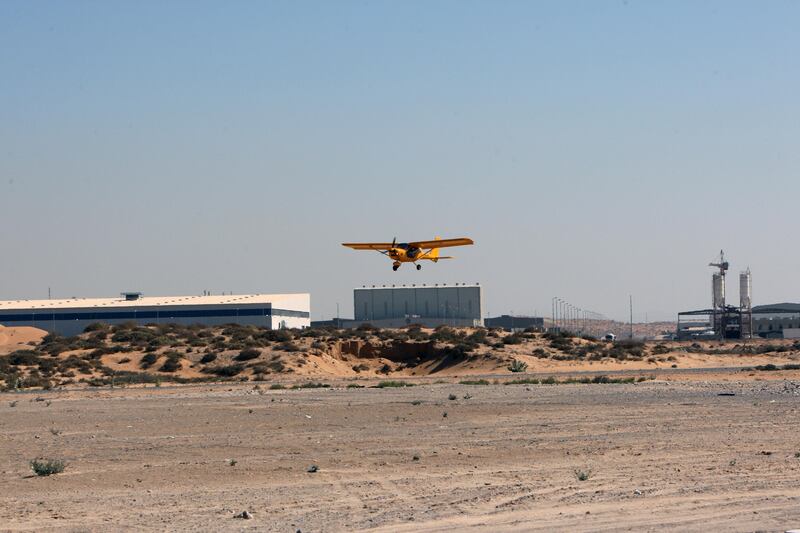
(593,150)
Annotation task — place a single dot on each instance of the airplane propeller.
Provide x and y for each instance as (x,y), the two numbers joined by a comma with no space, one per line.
(394,241)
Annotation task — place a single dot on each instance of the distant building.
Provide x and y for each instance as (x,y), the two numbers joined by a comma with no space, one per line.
(774,320)
(515,323)
(430,306)
(70,317)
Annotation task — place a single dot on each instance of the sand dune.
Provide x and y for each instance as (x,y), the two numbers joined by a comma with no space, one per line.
(17,338)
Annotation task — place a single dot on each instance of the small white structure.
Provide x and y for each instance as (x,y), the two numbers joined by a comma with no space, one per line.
(70,317)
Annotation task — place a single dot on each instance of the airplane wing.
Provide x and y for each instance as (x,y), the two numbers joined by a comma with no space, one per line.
(442,243)
(368,245)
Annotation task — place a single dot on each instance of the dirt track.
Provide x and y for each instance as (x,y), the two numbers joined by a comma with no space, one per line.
(675,455)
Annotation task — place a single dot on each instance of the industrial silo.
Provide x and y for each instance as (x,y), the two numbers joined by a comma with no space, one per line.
(745,289)
(717,291)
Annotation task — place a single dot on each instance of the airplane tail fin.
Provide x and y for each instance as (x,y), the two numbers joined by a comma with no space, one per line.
(433,255)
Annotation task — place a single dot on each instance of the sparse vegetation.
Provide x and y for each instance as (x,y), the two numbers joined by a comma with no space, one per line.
(226,370)
(391,384)
(171,348)
(210,357)
(148,360)
(474,382)
(47,467)
(311,385)
(582,475)
(526,381)
(771,368)
(172,363)
(248,354)
(518,366)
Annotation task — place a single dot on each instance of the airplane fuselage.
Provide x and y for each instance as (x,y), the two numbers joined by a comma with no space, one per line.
(403,254)
(410,252)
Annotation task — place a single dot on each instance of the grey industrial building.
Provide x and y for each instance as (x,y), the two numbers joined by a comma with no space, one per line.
(428,305)
(777,320)
(515,323)
(71,316)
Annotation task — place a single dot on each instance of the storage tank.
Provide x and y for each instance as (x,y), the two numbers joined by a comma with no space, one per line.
(745,289)
(717,291)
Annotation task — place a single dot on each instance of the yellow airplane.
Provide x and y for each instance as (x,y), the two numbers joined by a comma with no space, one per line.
(410,252)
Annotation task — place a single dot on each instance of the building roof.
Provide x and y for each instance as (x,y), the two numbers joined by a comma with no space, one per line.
(422,286)
(147,301)
(777,308)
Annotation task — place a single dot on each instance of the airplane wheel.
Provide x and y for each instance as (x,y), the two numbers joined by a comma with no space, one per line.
(395,267)
(419,267)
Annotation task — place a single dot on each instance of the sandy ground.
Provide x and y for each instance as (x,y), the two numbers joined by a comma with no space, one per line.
(660,455)
(18,338)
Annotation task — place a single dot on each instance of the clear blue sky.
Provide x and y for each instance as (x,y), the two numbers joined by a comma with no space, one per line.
(592,149)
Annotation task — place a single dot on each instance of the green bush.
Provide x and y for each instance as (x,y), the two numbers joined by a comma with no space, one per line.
(225,371)
(518,366)
(47,467)
(514,338)
(311,386)
(247,354)
(446,334)
(172,364)
(582,475)
(209,357)
(23,358)
(390,384)
(459,351)
(276,335)
(288,346)
(148,360)
(474,382)
(478,336)
(525,381)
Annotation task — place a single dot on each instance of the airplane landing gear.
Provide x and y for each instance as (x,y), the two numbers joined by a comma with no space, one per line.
(419,267)
(395,266)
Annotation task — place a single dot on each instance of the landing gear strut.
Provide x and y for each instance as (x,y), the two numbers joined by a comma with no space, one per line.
(419,267)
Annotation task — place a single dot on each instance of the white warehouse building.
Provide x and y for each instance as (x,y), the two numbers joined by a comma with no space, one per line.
(71,316)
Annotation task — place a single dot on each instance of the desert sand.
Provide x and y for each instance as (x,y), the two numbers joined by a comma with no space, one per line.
(707,441)
(18,338)
(656,455)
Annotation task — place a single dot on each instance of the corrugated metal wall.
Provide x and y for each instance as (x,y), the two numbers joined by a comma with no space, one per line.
(378,303)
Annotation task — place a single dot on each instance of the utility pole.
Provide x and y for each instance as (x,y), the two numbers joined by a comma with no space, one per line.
(630,303)
(558,318)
